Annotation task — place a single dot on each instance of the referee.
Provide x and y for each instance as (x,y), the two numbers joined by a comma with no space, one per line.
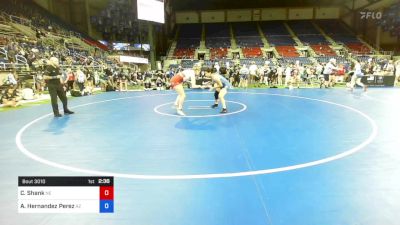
(53,75)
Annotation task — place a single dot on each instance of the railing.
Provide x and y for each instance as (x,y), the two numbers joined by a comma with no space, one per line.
(3,51)
(373,53)
(21,59)
(80,66)
(7,66)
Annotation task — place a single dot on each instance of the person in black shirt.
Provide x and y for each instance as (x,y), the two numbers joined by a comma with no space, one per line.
(55,86)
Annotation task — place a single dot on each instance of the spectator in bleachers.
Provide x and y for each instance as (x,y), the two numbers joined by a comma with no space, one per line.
(11,78)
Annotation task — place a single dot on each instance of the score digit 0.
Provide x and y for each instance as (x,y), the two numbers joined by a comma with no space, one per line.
(106,192)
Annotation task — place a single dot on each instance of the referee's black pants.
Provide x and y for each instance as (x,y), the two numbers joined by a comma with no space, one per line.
(56,89)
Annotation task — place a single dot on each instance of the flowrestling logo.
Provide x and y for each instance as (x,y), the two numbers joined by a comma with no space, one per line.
(371,15)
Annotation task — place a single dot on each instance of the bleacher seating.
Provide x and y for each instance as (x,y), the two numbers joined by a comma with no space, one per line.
(184,53)
(218,35)
(258,61)
(325,59)
(218,53)
(363,58)
(247,35)
(323,50)
(221,62)
(338,32)
(281,40)
(276,33)
(287,51)
(313,39)
(272,28)
(251,52)
(359,48)
(292,60)
(245,29)
(249,41)
(217,42)
(307,33)
(302,27)
(332,27)
(188,41)
(173,66)
(188,63)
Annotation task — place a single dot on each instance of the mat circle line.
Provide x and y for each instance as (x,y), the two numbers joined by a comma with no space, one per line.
(371,137)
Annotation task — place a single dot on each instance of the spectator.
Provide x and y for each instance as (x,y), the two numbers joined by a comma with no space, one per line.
(253,72)
(389,68)
(70,79)
(27,93)
(80,79)
(244,76)
(11,97)
(11,79)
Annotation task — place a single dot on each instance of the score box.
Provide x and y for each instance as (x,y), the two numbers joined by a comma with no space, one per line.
(65,194)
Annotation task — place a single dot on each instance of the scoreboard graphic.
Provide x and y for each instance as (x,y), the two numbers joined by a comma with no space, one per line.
(65,194)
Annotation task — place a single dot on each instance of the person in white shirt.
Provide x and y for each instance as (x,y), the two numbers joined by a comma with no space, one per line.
(356,78)
(80,78)
(244,76)
(288,75)
(329,69)
(253,72)
(11,79)
(318,69)
(27,94)
(216,66)
(279,72)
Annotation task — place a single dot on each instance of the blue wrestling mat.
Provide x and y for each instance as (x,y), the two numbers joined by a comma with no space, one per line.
(278,157)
